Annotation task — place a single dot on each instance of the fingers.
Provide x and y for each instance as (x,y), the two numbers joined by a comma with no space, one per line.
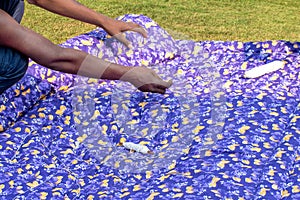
(123,39)
(169,83)
(160,91)
(156,87)
(138,29)
(162,87)
(130,27)
(146,80)
(141,31)
(165,84)
(159,85)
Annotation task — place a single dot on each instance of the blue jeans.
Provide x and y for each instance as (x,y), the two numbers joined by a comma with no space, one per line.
(13,64)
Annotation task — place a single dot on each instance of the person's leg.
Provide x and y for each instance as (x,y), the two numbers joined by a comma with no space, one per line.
(13,66)
(14,8)
(19,11)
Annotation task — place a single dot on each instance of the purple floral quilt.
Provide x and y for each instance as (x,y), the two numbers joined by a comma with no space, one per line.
(214,134)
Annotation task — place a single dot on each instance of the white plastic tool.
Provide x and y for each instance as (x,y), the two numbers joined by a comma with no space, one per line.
(137,147)
(264,69)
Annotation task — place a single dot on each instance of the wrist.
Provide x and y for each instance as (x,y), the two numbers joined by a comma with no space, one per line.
(102,20)
(120,70)
(135,76)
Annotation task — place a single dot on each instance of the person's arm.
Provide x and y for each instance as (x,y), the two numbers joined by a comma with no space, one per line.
(72,61)
(73,9)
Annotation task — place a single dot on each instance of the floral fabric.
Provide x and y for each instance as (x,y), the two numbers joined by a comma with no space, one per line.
(245,144)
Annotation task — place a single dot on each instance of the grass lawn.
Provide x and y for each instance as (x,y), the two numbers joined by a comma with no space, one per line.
(243,20)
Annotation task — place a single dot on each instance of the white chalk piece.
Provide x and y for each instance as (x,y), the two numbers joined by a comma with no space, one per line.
(137,147)
(264,69)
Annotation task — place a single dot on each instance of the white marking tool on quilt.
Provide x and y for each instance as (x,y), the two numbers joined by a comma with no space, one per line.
(136,147)
(264,69)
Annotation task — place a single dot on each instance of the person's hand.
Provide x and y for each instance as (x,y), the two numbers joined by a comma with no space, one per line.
(146,80)
(115,28)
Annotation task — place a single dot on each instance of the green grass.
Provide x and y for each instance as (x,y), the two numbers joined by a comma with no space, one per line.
(243,20)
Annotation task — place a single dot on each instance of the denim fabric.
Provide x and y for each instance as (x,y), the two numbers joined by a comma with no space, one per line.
(9,6)
(14,8)
(13,66)
(19,11)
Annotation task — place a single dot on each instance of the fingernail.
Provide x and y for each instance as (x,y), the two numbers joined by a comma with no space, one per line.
(146,34)
(170,82)
(130,46)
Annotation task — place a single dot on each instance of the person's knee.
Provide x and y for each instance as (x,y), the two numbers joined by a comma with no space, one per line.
(13,66)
